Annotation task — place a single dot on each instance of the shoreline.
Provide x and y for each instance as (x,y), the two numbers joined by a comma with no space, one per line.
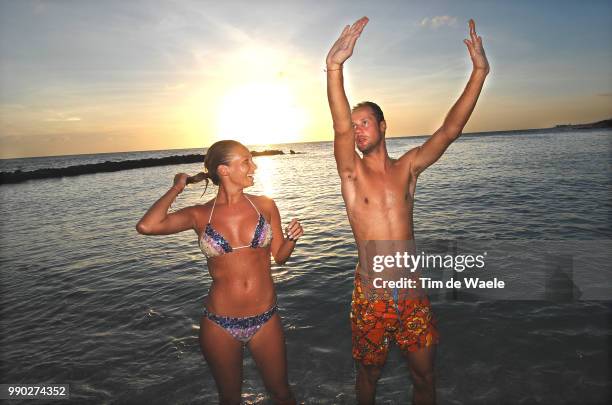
(604,124)
(19,176)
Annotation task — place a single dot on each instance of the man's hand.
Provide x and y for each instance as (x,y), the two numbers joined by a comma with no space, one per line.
(344,138)
(477,53)
(427,154)
(343,47)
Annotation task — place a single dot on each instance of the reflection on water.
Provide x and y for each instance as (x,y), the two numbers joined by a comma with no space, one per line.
(265,173)
(87,301)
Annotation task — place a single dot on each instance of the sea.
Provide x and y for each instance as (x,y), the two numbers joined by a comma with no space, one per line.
(89,302)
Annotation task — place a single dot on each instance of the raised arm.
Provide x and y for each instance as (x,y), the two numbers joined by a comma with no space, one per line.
(344,140)
(157,221)
(457,117)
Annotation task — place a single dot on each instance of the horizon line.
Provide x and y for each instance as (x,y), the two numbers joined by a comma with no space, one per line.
(558,126)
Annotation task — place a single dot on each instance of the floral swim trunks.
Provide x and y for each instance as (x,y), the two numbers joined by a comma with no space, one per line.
(375,323)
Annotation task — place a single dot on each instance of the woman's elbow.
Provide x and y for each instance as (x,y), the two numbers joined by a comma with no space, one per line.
(142,228)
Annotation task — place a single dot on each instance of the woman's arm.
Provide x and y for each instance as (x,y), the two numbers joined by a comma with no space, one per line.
(157,221)
(282,246)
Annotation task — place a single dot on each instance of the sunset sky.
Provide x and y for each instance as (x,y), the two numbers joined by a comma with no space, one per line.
(108,76)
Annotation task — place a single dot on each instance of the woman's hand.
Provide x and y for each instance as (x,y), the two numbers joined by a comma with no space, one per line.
(294,230)
(180,181)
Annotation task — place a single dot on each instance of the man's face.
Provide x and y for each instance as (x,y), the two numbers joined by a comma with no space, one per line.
(368,133)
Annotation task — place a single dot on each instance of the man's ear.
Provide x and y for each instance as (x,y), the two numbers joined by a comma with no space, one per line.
(382,126)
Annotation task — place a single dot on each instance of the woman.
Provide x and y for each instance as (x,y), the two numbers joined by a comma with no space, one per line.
(237,232)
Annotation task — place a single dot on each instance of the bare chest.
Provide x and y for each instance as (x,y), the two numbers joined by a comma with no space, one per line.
(388,192)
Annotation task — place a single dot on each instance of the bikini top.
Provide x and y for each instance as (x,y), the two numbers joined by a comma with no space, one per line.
(213,244)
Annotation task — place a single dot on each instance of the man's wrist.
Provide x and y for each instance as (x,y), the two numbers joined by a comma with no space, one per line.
(481,70)
(331,67)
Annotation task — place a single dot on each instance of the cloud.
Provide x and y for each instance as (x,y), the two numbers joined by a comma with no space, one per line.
(438,21)
(63,119)
(604,95)
(175,87)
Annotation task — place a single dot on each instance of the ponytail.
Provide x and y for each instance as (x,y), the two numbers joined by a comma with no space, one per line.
(202,176)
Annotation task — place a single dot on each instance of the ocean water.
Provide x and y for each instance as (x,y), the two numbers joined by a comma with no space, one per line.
(89,302)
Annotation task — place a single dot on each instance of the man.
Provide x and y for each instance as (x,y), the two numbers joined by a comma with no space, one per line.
(378,193)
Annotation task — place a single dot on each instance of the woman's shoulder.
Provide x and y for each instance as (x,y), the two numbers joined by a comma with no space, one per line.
(208,203)
(203,206)
(203,209)
(262,201)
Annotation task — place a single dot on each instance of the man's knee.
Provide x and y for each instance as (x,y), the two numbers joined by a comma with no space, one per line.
(369,372)
(422,377)
(282,396)
(229,399)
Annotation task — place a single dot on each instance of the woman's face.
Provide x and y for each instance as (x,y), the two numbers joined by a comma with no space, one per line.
(241,168)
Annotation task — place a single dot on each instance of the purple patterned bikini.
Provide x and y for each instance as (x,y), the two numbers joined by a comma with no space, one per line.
(242,329)
(213,244)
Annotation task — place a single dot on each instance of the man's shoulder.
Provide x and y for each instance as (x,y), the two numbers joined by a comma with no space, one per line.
(406,161)
(353,173)
(409,156)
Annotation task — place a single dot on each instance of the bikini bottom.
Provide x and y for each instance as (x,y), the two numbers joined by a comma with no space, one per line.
(242,329)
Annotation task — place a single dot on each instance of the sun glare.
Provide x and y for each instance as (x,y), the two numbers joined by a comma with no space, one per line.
(260,113)
(264,175)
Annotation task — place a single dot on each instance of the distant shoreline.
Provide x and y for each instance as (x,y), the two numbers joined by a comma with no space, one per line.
(19,176)
(604,124)
(592,125)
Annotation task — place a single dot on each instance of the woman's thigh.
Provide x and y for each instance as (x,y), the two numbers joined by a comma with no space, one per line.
(223,354)
(269,352)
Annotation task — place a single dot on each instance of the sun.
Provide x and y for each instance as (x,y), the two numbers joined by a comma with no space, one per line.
(260,113)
